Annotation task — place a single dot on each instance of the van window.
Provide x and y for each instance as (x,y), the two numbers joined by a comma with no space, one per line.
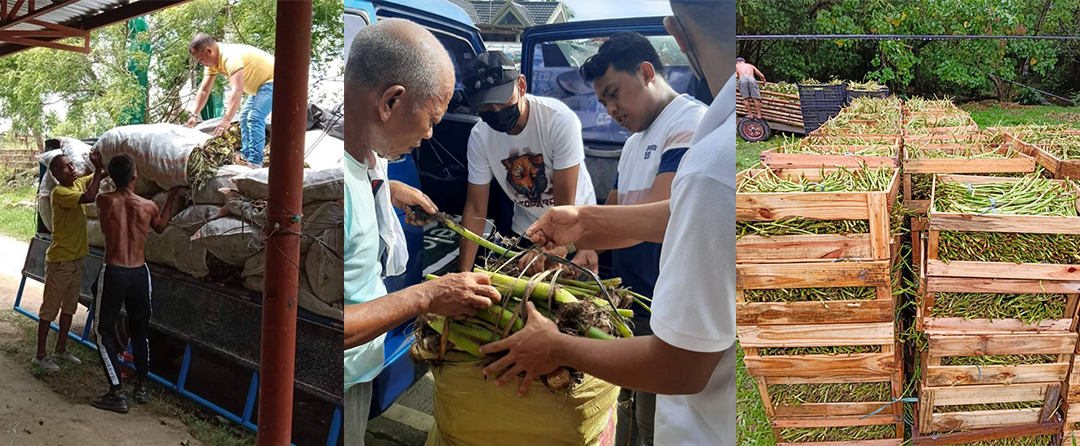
(555,74)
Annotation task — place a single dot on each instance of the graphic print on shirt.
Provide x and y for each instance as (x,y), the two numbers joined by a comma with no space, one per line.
(527,175)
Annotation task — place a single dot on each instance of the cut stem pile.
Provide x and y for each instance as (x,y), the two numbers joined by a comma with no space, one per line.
(1031,309)
(1029,196)
(204,161)
(842,179)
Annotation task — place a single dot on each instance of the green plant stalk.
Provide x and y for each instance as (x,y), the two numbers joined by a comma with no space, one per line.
(596,333)
(459,339)
(511,286)
(453,226)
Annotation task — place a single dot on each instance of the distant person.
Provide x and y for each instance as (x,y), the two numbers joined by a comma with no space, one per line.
(531,146)
(124,280)
(748,86)
(250,70)
(63,258)
(630,82)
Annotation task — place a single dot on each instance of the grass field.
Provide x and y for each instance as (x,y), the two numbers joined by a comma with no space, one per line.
(752,424)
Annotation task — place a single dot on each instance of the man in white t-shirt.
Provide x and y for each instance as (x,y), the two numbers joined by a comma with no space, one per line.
(690,361)
(530,145)
(630,82)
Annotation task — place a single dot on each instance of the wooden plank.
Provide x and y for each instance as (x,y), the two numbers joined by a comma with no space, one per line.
(921,430)
(840,311)
(963,165)
(815,205)
(815,336)
(1003,374)
(805,161)
(992,394)
(959,325)
(1002,344)
(854,420)
(832,409)
(983,419)
(879,226)
(1015,286)
(889,442)
(876,367)
(1003,270)
(824,246)
(1069,169)
(797,275)
(1033,224)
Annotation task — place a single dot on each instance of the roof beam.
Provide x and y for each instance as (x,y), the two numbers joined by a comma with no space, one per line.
(94,22)
(11,19)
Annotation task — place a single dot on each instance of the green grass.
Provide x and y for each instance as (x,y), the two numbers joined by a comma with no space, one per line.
(752,425)
(746,153)
(994,115)
(18,212)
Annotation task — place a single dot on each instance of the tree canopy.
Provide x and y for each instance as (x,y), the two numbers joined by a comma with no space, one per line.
(95,89)
(968,68)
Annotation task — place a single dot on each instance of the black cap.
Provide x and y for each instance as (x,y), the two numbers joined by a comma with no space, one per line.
(489,78)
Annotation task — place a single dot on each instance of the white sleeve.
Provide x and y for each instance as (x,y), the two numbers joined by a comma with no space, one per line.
(479,169)
(567,147)
(694,299)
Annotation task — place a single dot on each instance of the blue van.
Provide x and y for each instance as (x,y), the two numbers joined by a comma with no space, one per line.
(551,56)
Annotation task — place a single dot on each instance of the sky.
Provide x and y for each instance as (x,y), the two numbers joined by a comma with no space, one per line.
(612,9)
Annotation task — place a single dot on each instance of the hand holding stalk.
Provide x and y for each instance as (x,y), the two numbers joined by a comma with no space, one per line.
(531,350)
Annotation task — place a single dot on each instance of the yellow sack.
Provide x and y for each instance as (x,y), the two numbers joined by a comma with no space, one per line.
(472,411)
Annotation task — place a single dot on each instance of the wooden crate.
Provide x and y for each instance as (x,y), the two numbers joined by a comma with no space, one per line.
(990,378)
(1019,164)
(919,436)
(830,156)
(837,323)
(1060,169)
(776,108)
(760,207)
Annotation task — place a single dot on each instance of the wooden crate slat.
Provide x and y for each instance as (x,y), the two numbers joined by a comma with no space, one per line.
(991,394)
(1002,344)
(831,409)
(814,312)
(1012,286)
(824,246)
(815,336)
(824,368)
(995,374)
(841,421)
(795,275)
(983,419)
(1002,270)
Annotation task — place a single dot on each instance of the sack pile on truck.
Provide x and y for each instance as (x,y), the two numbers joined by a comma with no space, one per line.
(217,225)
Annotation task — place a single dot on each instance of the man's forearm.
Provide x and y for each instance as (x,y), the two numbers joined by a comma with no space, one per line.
(200,102)
(643,363)
(365,322)
(621,226)
(234,105)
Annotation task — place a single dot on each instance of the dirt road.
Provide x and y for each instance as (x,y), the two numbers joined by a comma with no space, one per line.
(32,414)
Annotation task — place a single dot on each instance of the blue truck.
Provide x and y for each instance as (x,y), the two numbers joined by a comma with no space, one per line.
(551,56)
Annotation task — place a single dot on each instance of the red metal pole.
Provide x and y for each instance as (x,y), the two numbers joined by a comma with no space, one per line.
(276,369)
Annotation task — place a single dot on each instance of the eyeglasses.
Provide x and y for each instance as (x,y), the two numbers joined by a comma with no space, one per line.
(488,78)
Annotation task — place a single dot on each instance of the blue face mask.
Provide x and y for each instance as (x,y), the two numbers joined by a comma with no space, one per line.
(503,120)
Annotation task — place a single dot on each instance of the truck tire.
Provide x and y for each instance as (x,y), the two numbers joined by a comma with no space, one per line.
(754,130)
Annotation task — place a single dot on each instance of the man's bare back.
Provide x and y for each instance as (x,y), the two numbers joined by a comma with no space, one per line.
(126,219)
(745,69)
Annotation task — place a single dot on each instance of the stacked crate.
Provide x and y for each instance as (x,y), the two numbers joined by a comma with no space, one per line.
(819,103)
(776,107)
(776,335)
(1050,156)
(950,373)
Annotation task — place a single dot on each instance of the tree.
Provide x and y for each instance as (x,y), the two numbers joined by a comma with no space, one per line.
(96,89)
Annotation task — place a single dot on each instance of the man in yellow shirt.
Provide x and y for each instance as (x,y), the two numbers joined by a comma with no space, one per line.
(250,70)
(63,259)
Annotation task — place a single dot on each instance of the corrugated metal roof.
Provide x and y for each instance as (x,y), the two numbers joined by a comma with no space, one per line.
(69,13)
(483,12)
(486,10)
(540,12)
(82,14)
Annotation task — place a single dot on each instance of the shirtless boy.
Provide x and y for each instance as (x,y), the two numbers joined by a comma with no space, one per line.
(125,279)
(748,86)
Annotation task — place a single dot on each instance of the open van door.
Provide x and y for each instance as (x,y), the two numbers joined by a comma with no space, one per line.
(432,168)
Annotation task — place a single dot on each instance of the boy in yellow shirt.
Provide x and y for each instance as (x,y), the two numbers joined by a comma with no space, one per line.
(250,70)
(63,259)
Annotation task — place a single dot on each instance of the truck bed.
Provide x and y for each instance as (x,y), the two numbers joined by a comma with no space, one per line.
(225,319)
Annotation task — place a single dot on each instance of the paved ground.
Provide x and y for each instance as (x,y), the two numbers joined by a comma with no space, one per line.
(406,422)
(31,414)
